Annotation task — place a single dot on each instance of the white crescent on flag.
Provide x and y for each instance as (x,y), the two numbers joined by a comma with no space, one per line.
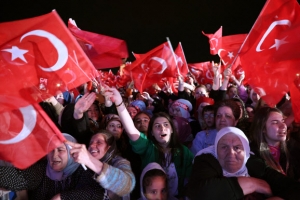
(271,27)
(30,117)
(60,47)
(162,62)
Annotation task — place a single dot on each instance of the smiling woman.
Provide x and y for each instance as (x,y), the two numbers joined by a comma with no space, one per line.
(112,171)
(57,177)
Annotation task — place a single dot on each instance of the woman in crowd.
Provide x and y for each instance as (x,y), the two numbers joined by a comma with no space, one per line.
(161,145)
(141,122)
(269,140)
(57,177)
(227,113)
(226,170)
(182,108)
(112,171)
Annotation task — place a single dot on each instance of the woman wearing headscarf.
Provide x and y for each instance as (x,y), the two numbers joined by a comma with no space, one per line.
(57,177)
(182,108)
(226,170)
(111,171)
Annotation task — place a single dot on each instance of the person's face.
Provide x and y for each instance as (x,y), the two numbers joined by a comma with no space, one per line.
(250,112)
(231,92)
(276,129)
(225,118)
(208,87)
(115,127)
(176,111)
(162,131)
(93,112)
(141,122)
(157,190)
(209,119)
(200,92)
(230,152)
(132,111)
(58,158)
(98,147)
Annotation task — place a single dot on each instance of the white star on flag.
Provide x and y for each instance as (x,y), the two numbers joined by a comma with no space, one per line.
(230,55)
(278,43)
(16,53)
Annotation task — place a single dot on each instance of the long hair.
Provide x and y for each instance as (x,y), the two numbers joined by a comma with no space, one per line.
(257,133)
(110,141)
(174,144)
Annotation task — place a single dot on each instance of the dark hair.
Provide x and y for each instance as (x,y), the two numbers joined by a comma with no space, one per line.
(110,141)
(257,131)
(231,104)
(139,113)
(147,179)
(174,144)
(207,108)
(238,99)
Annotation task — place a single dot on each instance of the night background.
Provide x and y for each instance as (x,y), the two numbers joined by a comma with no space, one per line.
(145,24)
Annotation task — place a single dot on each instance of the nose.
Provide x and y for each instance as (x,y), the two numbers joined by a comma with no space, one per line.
(283,126)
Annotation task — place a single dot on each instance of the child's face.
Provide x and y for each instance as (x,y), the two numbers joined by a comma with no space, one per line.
(157,190)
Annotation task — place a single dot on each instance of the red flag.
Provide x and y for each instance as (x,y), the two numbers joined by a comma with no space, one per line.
(38,58)
(263,43)
(153,66)
(26,135)
(231,44)
(181,61)
(215,41)
(104,51)
(202,72)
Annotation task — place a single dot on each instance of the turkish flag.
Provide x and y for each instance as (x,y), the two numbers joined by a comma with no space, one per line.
(26,135)
(104,51)
(202,72)
(259,55)
(231,44)
(38,58)
(215,41)
(151,67)
(181,61)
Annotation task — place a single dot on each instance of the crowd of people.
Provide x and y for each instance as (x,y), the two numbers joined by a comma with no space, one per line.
(214,141)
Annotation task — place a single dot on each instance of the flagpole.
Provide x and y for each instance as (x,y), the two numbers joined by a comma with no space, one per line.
(169,42)
(239,51)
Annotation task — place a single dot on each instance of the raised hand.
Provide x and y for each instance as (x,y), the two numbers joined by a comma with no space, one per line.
(83,104)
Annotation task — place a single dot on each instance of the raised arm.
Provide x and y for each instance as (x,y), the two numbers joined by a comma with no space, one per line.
(126,120)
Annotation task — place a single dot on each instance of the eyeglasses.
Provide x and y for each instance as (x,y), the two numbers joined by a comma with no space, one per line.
(205,116)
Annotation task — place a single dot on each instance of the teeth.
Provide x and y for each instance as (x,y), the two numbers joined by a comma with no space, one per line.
(94,151)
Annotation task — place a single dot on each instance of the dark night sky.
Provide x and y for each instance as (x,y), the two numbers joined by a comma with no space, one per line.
(145,24)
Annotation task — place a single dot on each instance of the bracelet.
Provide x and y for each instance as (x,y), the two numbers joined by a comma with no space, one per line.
(119,104)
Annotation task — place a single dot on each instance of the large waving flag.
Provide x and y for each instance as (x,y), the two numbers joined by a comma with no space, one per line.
(263,52)
(39,57)
(104,51)
(26,135)
(152,66)
(202,72)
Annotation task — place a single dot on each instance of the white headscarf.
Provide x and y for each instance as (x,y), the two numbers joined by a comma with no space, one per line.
(213,150)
